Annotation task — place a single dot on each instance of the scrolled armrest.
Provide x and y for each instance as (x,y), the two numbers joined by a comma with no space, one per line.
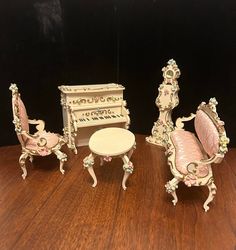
(191,168)
(40,124)
(42,142)
(210,160)
(28,135)
(180,121)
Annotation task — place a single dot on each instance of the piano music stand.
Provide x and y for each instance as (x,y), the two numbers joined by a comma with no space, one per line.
(108,143)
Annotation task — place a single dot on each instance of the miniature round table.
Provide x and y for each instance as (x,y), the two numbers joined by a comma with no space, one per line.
(108,143)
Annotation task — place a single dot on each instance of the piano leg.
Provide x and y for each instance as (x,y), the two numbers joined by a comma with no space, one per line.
(128,168)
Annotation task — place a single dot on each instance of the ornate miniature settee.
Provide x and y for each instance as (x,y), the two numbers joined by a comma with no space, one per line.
(41,143)
(189,157)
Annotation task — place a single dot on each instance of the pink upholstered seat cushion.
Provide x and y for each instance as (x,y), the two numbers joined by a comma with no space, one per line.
(51,138)
(207,132)
(188,149)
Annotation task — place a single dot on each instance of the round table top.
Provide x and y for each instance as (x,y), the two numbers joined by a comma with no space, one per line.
(111,141)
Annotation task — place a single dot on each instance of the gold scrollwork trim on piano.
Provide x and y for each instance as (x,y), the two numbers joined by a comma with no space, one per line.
(98,112)
(96,99)
(79,101)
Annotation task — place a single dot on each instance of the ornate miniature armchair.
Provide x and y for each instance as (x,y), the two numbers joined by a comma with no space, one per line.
(41,143)
(190,158)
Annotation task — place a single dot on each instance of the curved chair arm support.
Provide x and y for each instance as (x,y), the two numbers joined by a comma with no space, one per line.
(214,159)
(210,160)
(180,121)
(28,135)
(40,124)
(42,142)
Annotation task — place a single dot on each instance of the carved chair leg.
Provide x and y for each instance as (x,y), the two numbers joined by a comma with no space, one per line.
(212,191)
(128,169)
(88,163)
(62,157)
(22,160)
(171,186)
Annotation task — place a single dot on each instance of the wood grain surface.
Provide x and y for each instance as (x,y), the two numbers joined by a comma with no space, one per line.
(52,211)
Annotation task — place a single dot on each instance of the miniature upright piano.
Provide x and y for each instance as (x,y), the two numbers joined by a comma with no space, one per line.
(88,108)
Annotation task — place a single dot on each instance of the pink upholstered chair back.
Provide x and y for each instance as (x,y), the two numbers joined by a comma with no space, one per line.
(20,114)
(207,132)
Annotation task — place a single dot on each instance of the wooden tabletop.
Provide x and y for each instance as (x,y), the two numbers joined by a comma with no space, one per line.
(49,210)
(111,141)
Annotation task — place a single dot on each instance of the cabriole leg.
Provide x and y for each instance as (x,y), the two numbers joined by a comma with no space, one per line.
(212,191)
(171,186)
(88,163)
(22,160)
(62,157)
(128,168)
(131,151)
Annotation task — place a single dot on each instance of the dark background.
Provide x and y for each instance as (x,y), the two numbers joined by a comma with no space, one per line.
(44,44)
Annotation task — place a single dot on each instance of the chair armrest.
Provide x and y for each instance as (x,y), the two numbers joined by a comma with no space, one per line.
(40,140)
(179,124)
(214,159)
(40,124)
(28,135)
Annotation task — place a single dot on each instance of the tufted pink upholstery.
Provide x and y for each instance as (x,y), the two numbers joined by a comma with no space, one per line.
(207,132)
(188,149)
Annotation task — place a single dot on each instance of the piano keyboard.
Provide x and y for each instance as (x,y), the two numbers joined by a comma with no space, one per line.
(87,108)
(97,120)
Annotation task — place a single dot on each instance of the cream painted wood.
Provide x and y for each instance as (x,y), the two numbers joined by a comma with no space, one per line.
(191,178)
(166,101)
(39,141)
(111,142)
(88,108)
(108,143)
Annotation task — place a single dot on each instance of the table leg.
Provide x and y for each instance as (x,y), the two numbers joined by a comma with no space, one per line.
(88,163)
(129,154)
(128,168)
